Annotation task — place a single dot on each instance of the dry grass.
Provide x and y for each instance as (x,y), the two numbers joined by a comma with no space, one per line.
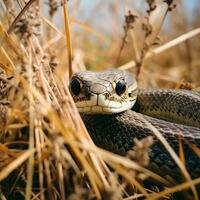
(46,152)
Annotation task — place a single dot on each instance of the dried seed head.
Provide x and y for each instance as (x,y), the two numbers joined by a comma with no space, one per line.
(155,20)
(185,85)
(129,20)
(169,2)
(29,24)
(4,110)
(147,28)
(114,192)
(152,6)
(53,7)
(50,60)
(53,61)
(4,84)
(140,151)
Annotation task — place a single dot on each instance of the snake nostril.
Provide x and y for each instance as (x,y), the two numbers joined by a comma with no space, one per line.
(87,92)
(107,94)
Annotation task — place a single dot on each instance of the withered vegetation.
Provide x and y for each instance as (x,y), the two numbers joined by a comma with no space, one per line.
(45,150)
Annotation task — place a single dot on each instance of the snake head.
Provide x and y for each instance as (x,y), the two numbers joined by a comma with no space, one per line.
(106,92)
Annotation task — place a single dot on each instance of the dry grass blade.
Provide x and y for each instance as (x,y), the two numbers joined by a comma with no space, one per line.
(30,165)
(94,179)
(5,38)
(177,41)
(165,47)
(180,187)
(127,163)
(52,26)
(181,151)
(130,179)
(75,22)
(39,142)
(10,66)
(195,149)
(89,29)
(16,163)
(68,37)
(175,157)
(114,160)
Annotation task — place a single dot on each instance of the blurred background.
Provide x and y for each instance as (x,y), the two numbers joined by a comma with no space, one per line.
(98,39)
(97,33)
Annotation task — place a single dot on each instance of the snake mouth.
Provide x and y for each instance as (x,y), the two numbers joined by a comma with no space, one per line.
(98,104)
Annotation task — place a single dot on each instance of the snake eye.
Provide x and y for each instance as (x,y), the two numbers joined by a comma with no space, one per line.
(75,87)
(120,87)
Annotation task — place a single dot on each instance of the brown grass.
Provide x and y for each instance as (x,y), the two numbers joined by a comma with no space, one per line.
(46,152)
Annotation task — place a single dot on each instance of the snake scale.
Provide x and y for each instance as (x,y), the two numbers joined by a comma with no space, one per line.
(174,113)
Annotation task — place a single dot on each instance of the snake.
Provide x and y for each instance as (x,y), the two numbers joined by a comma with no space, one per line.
(116,111)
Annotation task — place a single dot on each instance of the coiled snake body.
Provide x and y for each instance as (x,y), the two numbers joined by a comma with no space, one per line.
(107,101)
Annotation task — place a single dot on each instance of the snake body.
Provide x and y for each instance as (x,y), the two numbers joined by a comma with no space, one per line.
(174,113)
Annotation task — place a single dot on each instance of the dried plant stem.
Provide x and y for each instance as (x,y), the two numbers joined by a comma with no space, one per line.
(129,21)
(176,41)
(60,172)
(139,64)
(68,37)
(122,46)
(16,163)
(171,190)
(135,46)
(4,53)
(165,47)
(39,140)
(31,132)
